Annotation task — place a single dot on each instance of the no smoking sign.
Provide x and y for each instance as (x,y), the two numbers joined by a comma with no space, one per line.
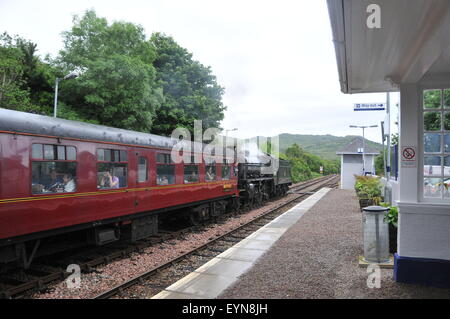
(409,156)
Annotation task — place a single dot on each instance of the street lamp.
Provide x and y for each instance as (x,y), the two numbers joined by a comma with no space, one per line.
(364,143)
(226,131)
(71,75)
(226,138)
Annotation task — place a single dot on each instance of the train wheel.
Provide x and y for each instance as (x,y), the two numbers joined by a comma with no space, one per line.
(194,219)
(235,206)
(199,215)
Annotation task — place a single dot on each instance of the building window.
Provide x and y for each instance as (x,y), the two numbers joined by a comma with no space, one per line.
(165,169)
(436,144)
(112,169)
(53,169)
(142,170)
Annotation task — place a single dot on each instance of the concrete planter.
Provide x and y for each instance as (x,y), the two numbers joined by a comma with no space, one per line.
(365,202)
(392,239)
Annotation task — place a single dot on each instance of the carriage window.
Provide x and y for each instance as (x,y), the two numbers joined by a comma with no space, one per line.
(71,153)
(57,175)
(226,172)
(165,174)
(142,170)
(36,151)
(61,152)
(53,152)
(163,158)
(210,173)
(49,152)
(112,171)
(53,177)
(191,174)
(165,171)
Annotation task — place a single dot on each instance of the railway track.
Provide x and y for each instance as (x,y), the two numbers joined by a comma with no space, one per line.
(207,251)
(47,271)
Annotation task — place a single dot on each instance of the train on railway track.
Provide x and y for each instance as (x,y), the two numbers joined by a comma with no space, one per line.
(65,184)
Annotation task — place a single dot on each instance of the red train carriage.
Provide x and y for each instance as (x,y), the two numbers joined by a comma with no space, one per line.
(64,182)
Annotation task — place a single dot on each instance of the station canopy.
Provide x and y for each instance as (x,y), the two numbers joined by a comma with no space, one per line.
(412,44)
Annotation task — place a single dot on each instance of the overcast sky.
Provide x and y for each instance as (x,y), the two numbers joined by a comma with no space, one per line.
(275,59)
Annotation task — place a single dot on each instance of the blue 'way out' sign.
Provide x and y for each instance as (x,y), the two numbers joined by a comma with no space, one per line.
(369,106)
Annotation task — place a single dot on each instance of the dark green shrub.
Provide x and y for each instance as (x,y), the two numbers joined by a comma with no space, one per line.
(368,187)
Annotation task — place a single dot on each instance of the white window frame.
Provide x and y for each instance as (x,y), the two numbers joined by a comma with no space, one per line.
(422,133)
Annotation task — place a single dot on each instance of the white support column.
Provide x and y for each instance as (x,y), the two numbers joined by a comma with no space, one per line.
(409,136)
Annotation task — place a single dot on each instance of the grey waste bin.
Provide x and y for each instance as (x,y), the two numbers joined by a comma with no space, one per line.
(376,234)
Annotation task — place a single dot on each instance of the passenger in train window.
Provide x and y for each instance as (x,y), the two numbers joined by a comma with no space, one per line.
(52,181)
(108,180)
(164,181)
(193,178)
(69,184)
(226,172)
(191,174)
(210,173)
(165,174)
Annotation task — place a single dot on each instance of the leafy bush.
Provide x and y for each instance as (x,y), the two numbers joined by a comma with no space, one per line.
(306,166)
(368,187)
(392,216)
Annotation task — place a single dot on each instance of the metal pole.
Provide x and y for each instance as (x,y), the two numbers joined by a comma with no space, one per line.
(388,142)
(55,106)
(384,150)
(364,154)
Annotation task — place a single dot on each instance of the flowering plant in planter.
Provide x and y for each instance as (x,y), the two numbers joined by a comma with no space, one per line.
(392,218)
(368,190)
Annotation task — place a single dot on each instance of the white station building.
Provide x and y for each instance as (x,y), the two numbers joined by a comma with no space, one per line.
(404,45)
(352,161)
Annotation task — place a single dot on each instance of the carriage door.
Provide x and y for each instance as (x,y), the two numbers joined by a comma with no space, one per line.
(147,225)
(143,201)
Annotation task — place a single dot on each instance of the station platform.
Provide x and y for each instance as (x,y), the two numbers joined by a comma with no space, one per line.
(311,251)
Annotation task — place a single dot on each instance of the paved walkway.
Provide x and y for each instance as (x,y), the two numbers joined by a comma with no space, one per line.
(310,251)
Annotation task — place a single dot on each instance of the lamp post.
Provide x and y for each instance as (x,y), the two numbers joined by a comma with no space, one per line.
(69,76)
(226,131)
(226,140)
(364,143)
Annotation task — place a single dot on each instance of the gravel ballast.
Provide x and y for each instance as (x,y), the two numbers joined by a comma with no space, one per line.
(107,276)
(318,258)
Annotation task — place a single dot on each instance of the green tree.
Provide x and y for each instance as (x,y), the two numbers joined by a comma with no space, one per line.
(306,166)
(118,85)
(190,89)
(432,99)
(26,81)
(12,94)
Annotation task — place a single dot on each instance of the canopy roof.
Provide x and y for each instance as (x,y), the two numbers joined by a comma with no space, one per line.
(355,146)
(412,45)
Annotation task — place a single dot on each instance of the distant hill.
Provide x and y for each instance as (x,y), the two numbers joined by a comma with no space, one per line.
(324,146)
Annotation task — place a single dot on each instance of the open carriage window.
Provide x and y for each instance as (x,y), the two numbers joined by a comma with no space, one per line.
(191,174)
(53,168)
(226,172)
(165,169)
(112,169)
